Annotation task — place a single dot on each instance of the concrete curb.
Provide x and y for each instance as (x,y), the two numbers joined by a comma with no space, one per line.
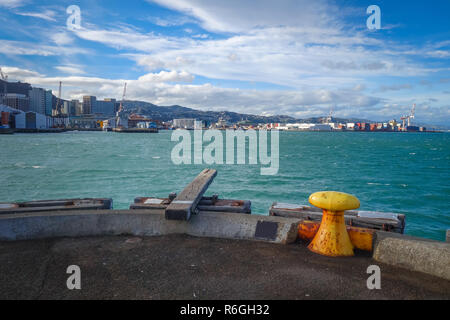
(146,223)
(427,256)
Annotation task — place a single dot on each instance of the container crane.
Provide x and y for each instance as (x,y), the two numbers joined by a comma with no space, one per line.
(330,116)
(408,118)
(58,102)
(4,77)
(121,106)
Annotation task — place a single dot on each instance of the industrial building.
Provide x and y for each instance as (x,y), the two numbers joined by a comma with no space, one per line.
(184,123)
(7,116)
(31,120)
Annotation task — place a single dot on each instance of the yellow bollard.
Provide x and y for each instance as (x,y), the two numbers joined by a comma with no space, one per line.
(332,238)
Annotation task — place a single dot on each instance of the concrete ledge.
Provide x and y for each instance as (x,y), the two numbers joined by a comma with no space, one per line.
(427,256)
(145,223)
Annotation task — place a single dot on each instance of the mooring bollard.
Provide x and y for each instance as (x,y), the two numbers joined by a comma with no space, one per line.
(332,238)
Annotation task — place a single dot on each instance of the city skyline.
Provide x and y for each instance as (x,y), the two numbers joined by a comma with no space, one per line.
(282,58)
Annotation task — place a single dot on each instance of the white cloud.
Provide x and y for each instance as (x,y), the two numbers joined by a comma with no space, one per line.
(19,74)
(61,38)
(159,89)
(71,69)
(13,48)
(11,3)
(303,47)
(48,15)
(395,87)
(288,56)
(240,16)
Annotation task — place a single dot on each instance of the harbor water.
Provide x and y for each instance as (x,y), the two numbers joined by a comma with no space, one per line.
(392,172)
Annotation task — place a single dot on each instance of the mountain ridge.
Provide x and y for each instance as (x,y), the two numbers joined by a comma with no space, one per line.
(167,113)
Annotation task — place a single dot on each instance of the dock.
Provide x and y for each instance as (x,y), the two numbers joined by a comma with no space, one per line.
(135,130)
(138,267)
(214,246)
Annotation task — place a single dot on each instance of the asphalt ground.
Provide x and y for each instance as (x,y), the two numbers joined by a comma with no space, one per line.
(184,267)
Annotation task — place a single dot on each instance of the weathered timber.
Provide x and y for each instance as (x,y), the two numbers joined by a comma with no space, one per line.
(206,204)
(55,205)
(364,219)
(186,202)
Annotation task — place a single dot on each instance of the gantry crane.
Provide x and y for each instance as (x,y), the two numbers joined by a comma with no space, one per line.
(330,116)
(121,106)
(58,102)
(408,118)
(4,77)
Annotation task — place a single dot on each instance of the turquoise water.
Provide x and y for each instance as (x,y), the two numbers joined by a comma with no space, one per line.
(392,172)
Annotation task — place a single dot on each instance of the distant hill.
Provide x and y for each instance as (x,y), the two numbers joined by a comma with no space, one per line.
(178,112)
(168,113)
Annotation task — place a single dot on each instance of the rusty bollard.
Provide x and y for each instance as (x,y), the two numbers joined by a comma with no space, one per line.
(332,238)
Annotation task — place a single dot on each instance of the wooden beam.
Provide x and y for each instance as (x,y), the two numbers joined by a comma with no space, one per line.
(186,202)
(377,221)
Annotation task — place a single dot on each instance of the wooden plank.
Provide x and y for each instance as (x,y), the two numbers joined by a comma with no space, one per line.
(205,204)
(186,202)
(51,208)
(55,205)
(352,218)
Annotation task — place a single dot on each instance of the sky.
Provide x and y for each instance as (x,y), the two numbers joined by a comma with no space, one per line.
(299,58)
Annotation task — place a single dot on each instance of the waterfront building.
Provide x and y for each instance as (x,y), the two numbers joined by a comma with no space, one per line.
(89,104)
(89,121)
(75,108)
(17,101)
(321,127)
(37,100)
(184,123)
(65,107)
(15,87)
(199,125)
(48,102)
(105,107)
(222,123)
(139,121)
(31,120)
(7,115)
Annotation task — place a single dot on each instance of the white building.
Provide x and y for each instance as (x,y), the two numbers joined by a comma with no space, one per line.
(184,123)
(321,127)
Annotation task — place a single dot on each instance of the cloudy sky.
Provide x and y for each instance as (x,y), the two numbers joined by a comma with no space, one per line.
(294,57)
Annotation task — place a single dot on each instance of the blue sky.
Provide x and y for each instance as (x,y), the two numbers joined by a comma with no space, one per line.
(293,57)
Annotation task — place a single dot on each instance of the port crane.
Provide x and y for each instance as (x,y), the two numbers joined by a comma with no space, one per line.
(58,102)
(330,116)
(408,118)
(121,106)
(4,77)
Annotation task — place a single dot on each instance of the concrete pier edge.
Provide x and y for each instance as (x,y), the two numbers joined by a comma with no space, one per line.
(416,254)
(40,225)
